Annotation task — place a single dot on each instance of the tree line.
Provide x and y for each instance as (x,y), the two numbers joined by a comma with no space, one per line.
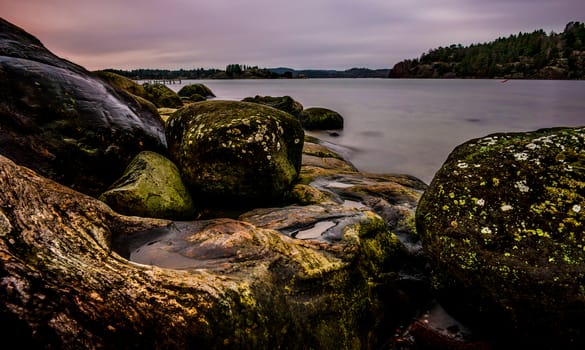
(524,55)
(232,71)
(242,71)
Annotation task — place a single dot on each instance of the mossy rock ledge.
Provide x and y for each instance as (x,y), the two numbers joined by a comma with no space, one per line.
(234,152)
(503,222)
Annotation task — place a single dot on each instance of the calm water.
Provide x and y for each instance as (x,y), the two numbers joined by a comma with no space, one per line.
(411,126)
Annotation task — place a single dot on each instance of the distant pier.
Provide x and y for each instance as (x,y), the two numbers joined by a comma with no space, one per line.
(163,81)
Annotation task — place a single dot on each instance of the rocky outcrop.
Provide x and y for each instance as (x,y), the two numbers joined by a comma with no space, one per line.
(502,222)
(151,186)
(319,118)
(78,275)
(283,103)
(235,153)
(63,122)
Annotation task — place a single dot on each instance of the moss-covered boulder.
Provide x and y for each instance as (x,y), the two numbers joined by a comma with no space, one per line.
(236,152)
(503,222)
(162,96)
(201,90)
(151,186)
(319,118)
(283,103)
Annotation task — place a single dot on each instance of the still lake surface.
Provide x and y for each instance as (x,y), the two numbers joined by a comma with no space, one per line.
(410,126)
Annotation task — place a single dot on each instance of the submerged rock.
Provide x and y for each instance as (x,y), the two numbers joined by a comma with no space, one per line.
(199,91)
(503,222)
(62,121)
(236,153)
(283,103)
(318,118)
(151,186)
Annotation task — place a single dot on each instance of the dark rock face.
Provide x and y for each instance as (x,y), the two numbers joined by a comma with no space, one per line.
(283,103)
(318,118)
(58,119)
(235,151)
(503,223)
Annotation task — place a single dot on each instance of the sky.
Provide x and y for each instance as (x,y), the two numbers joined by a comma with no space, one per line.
(300,34)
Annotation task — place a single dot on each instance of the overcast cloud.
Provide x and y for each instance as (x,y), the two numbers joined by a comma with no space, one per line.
(301,34)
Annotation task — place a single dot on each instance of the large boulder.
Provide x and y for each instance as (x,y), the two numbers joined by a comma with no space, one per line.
(151,186)
(63,122)
(319,118)
(284,103)
(235,153)
(503,222)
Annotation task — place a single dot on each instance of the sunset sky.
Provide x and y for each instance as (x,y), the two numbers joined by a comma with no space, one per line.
(301,34)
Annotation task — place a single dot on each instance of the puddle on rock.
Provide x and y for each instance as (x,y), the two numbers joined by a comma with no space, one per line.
(338,184)
(314,232)
(187,245)
(353,204)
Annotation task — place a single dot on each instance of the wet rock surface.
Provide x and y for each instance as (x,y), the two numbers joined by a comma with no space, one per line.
(60,120)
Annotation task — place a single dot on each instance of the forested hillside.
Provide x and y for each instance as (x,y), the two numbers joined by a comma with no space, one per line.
(535,55)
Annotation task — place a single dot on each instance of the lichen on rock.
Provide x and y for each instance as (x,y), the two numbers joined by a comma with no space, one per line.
(502,220)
